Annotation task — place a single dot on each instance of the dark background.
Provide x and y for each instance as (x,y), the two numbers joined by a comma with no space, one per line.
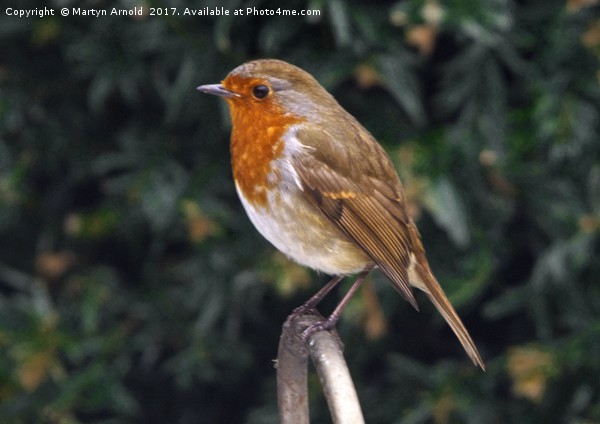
(133,288)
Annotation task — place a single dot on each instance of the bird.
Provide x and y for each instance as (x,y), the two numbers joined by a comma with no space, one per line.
(319,187)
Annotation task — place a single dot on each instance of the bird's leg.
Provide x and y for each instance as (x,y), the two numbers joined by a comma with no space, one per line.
(310,304)
(332,320)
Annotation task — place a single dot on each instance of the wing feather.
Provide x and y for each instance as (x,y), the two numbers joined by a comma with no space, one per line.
(366,205)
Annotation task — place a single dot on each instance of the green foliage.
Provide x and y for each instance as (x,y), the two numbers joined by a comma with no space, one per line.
(134,289)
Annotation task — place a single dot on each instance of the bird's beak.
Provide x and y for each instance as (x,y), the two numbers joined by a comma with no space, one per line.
(217,90)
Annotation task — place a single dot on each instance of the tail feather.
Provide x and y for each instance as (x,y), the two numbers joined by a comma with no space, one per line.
(422,278)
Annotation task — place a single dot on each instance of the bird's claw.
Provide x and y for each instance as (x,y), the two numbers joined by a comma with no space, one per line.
(325,325)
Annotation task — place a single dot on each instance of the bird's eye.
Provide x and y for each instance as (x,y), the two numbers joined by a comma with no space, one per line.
(260,91)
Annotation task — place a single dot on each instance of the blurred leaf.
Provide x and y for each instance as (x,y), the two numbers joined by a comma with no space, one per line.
(594,189)
(289,277)
(399,77)
(53,265)
(530,368)
(199,225)
(160,194)
(510,302)
(93,225)
(423,37)
(340,22)
(443,202)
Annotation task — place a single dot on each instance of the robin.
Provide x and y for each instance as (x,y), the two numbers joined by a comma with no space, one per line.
(320,188)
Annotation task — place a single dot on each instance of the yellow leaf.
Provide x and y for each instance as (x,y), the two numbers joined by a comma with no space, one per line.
(576,5)
(34,370)
(530,368)
(591,37)
(423,37)
(366,76)
(375,323)
(199,225)
(442,409)
(53,265)
(288,275)
(589,223)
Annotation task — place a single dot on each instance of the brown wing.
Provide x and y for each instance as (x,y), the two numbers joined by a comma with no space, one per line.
(356,186)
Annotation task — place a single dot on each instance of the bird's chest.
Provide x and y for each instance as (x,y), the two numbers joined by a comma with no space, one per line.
(269,187)
(259,143)
(278,208)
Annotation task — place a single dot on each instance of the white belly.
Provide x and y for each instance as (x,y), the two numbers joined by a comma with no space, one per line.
(298,230)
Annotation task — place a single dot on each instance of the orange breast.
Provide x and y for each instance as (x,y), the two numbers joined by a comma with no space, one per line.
(256,141)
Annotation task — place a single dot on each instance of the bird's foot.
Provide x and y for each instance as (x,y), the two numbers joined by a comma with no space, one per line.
(324,325)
